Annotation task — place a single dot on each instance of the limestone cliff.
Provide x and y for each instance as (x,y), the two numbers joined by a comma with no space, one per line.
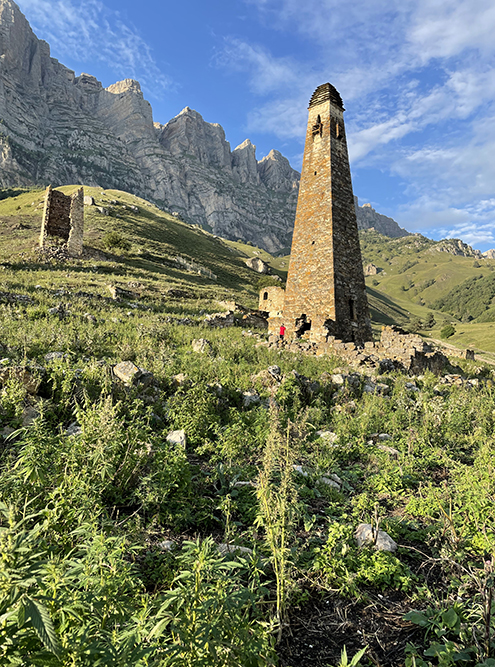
(368,218)
(56,128)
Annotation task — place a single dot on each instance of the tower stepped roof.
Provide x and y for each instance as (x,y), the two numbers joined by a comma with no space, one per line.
(324,93)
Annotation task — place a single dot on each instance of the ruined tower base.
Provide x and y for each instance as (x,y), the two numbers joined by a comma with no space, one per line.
(63,218)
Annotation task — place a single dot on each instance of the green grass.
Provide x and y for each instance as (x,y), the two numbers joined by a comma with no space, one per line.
(84,578)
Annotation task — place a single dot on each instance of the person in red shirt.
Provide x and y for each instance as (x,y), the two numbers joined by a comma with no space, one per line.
(282,332)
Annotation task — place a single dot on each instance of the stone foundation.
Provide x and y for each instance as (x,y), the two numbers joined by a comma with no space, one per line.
(63,218)
(396,349)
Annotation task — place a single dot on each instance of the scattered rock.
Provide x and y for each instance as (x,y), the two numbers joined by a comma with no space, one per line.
(384,436)
(117,293)
(130,374)
(254,320)
(331,482)
(90,318)
(257,265)
(299,469)
(30,381)
(6,431)
(201,345)
(366,534)
(328,436)
(29,414)
(52,356)
(89,201)
(225,549)
(61,311)
(177,438)
(167,545)
(179,380)
(102,210)
(73,429)
(250,398)
(220,320)
(389,450)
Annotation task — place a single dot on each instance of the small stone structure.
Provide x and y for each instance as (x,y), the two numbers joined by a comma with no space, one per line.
(63,217)
(326,293)
(272,302)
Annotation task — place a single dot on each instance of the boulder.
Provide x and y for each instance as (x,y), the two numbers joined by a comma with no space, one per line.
(367,535)
(89,201)
(201,345)
(250,398)
(128,372)
(257,264)
(30,381)
(177,438)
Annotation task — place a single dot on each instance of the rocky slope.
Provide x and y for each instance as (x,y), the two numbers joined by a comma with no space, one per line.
(368,218)
(56,128)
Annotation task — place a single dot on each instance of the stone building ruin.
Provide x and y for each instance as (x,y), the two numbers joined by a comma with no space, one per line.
(63,218)
(326,294)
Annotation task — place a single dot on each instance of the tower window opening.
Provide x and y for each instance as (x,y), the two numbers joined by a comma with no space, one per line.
(265,296)
(316,173)
(352,310)
(317,127)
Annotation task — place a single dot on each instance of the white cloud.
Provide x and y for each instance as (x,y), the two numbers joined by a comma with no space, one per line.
(87,31)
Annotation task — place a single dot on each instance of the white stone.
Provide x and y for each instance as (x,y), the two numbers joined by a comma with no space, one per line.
(250,398)
(300,470)
(73,429)
(384,436)
(328,436)
(225,549)
(167,545)
(177,438)
(201,345)
(366,534)
(389,450)
(52,356)
(330,482)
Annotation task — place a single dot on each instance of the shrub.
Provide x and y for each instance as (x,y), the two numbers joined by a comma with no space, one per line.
(447,331)
(115,241)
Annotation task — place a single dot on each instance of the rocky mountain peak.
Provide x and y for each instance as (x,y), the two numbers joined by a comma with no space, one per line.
(276,173)
(88,84)
(125,86)
(368,218)
(244,164)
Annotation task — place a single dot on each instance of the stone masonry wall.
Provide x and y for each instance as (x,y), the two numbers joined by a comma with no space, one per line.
(325,285)
(63,217)
(396,349)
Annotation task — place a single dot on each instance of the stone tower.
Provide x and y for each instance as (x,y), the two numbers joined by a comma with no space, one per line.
(326,293)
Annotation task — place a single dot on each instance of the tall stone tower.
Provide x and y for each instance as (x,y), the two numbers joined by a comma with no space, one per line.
(326,293)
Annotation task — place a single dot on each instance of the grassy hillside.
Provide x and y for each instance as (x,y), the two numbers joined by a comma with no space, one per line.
(151,240)
(203,511)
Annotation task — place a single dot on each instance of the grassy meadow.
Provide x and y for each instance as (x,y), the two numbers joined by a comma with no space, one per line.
(121,545)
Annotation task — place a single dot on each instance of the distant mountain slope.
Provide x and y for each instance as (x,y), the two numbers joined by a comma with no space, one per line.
(474,299)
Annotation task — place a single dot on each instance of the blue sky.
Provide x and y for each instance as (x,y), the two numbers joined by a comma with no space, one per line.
(417,78)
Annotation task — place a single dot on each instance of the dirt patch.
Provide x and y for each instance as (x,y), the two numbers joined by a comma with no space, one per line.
(319,631)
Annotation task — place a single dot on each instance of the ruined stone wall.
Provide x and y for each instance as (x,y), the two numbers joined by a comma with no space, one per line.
(396,348)
(63,218)
(325,285)
(75,240)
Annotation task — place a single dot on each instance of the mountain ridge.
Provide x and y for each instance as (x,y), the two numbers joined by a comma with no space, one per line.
(59,128)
